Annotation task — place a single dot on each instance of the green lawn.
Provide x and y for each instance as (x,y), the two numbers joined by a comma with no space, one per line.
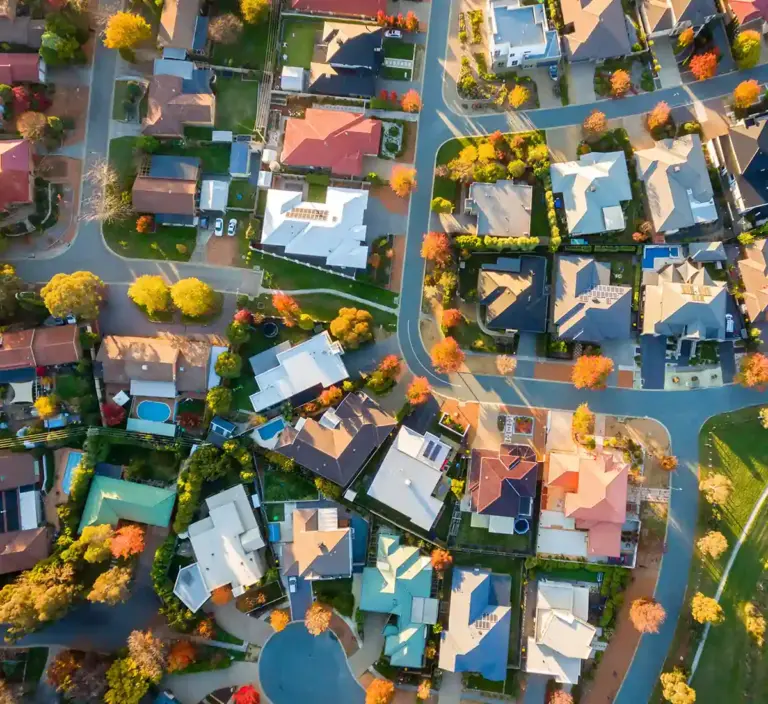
(215,157)
(317,193)
(123,157)
(121,236)
(299,34)
(287,486)
(250,50)
(122,96)
(481,537)
(539,218)
(242,195)
(261,203)
(337,593)
(275,512)
(236,104)
(470,337)
(443,187)
(398,49)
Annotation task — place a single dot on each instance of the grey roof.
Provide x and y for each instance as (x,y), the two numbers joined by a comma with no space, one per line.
(517,25)
(477,639)
(201,33)
(240,158)
(587,307)
(599,29)
(327,80)
(707,252)
(356,46)
(745,149)
(266,360)
(662,15)
(181,168)
(515,296)
(502,208)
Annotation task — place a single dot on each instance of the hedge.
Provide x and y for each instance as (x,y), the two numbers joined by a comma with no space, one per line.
(474,243)
(179,616)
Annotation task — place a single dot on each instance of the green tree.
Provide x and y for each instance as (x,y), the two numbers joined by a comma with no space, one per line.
(10,285)
(746,48)
(352,327)
(80,294)
(441,205)
(516,168)
(127,683)
(237,334)
(229,365)
(193,297)
(150,293)
(219,400)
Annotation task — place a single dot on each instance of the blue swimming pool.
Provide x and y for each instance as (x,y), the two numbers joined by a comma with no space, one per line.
(653,252)
(73,459)
(156,411)
(269,430)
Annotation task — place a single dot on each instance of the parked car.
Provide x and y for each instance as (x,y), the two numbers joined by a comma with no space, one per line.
(232,227)
(393,34)
(292,584)
(729,323)
(218,227)
(553,72)
(204,222)
(52,322)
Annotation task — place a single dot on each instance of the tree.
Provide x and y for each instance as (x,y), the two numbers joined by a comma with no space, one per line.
(410,101)
(746,94)
(402,181)
(647,615)
(81,676)
(279,619)
(193,297)
(144,224)
(352,327)
(754,370)
(317,618)
(424,690)
(705,609)
(685,37)
(746,48)
(591,372)
(764,417)
(107,202)
(247,694)
(713,544)
(668,462)
(595,124)
(181,655)
(717,489)
(62,668)
(659,116)
(447,356)
(237,334)
(380,692)
(221,595)
(229,365)
(441,559)
(113,413)
(10,285)
(411,22)
(150,293)
(519,96)
(330,396)
(286,307)
(219,400)
(621,82)
(225,29)
(47,406)
(93,545)
(32,125)
(583,421)
(127,541)
(127,683)
(254,11)
(674,685)
(80,294)
(516,168)
(125,30)
(451,317)
(704,66)
(441,205)
(755,623)
(436,248)
(149,653)
(418,391)
(306,322)
(111,587)
(560,697)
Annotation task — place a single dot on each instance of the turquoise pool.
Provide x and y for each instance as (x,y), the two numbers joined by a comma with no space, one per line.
(272,428)
(73,460)
(155,411)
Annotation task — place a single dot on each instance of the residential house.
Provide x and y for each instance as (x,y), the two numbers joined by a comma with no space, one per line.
(17,183)
(593,189)
(503,209)
(113,500)
(329,234)
(502,487)
(679,192)
(214,195)
(401,585)
(24,538)
(330,140)
(520,35)
(708,253)
(588,308)
(754,276)
(339,445)
(228,546)
(22,68)
(670,17)
(23,31)
(240,160)
(477,639)
(182,26)
(513,292)
(563,637)
(354,8)
(23,351)
(167,187)
(296,374)
(410,479)
(321,547)
(594,30)
(751,14)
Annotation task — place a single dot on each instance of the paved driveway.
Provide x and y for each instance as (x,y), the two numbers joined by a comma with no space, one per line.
(563,142)
(727,361)
(581,84)
(653,352)
(669,74)
(381,221)
(301,599)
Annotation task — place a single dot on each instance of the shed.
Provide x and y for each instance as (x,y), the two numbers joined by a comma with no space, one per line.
(292,79)
(240,159)
(221,136)
(214,194)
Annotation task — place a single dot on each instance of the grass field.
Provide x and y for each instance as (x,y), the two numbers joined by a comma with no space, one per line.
(285,486)
(236,102)
(122,96)
(299,34)
(241,194)
(162,244)
(215,157)
(250,50)
(398,49)
(484,538)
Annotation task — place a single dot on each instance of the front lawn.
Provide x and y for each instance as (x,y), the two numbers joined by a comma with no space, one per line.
(336,593)
(250,50)
(215,157)
(123,158)
(398,49)
(470,337)
(242,194)
(299,34)
(287,486)
(130,103)
(174,244)
(236,102)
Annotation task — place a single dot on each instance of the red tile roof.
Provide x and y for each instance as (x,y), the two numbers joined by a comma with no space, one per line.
(15,169)
(367,8)
(500,478)
(748,10)
(19,68)
(41,347)
(331,139)
(23,549)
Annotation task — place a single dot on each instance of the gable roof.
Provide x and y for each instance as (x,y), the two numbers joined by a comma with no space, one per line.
(327,80)
(111,500)
(331,139)
(15,170)
(23,549)
(587,307)
(754,274)
(169,186)
(745,149)
(19,68)
(749,10)
(40,347)
(677,183)
(337,447)
(477,639)
(177,168)
(170,107)
(367,8)
(17,469)
(503,208)
(355,46)
(503,482)
(599,29)
(321,548)
(177,24)
(514,293)
(662,15)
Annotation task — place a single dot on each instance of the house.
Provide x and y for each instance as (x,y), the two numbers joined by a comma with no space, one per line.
(669,17)
(520,35)
(182,26)
(708,252)
(179,94)
(22,68)
(339,445)
(588,308)
(321,547)
(214,195)
(502,487)
(749,11)
(23,351)
(167,187)
(228,546)
(477,639)
(593,189)
(112,500)
(563,637)
(754,275)
(514,293)
(401,585)
(357,8)
(17,183)
(329,234)
(283,373)
(503,209)
(326,80)
(219,431)
(410,479)
(331,140)
(24,538)
(240,160)
(594,30)
(679,192)
(23,31)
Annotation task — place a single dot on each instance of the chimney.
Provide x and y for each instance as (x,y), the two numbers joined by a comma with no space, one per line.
(323,548)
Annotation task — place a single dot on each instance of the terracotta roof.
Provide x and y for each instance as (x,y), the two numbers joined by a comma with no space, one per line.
(40,347)
(754,274)
(331,139)
(177,24)
(15,172)
(169,108)
(19,68)
(23,549)
(317,550)
(499,480)
(746,11)
(16,469)
(367,8)
(8,9)
(164,195)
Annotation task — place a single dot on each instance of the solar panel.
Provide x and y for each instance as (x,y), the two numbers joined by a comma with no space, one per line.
(435,452)
(603,292)
(307,214)
(428,449)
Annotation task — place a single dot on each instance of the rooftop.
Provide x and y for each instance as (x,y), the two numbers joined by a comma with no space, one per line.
(503,482)
(19,68)
(514,293)
(16,185)
(598,29)
(321,548)
(754,274)
(177,24)
(40,347)
(503,209)
(171,105)
(662,15)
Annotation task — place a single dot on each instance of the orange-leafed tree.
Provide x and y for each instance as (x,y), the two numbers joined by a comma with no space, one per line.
(447,356)
(402,181)
(647,615)
(247,694)
(127,541)
(746,94)
(181,654)
(595,123)
(287,307)
(410,101)
(221,595)
(390,365)
(144,224)
(519,96)
(279,619)
(668,462)
(591,371)
(418,391)
(436,248)
(704,66)
(754,370)
(659,116)
(451,317)
(685,37)
(441,559)
(380,692)
(331,396)
(206,629)
(317,618)
(620,83)
(411,22)
(560,697)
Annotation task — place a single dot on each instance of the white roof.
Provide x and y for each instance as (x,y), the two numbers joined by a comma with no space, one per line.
(614,217)
(190,587)
(407,478)
(221,136)
(171,67)
(160,389)
(333,230)
(29,509)
(292,78)
(150,426)
(213,378)
(121,398)
(214,193)
(316,361)
(264,179)
(564,540)
(22,391)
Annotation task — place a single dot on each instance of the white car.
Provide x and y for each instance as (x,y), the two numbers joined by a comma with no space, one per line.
(393,34)
(728,323)
(218,227)
(232,227)
(292,584)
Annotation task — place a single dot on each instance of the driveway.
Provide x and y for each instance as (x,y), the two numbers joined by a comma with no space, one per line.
(563,142)
(669,73)
(544,86)
(301,599)
(727,361)
(382,220)
(581,83)
(535,689)
(653,351)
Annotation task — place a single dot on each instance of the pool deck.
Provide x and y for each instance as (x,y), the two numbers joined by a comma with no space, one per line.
(57,497)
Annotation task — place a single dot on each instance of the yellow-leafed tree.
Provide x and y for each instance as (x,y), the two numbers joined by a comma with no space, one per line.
(193,297)
(125,30)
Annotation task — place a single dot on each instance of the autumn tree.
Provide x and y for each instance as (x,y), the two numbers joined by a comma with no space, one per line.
(685,38)
(10,285)
(149,653)
(746,48)
(647,615)
(441,205)
(402,181)
(80,294)
(591,372)
(125,30)
(410,101)
(447,356)
(560,696)
(519,96)
(424,690)
(380,692)
(144,224)
(713,544)
(418,391)
(127,682)
(111,587)
(254,11)
(451,317)
(127,541)
(620,83)
(705,609)
(317,618)
(181,655)
(93,545)
(225,29)
(228,365)
(80,676)
(247,694)
(32,125)
(219,400)
(279,619)
(595,124)
(221,595)
(755,623)
(716,488)
(411,23)
(330,396)
(659,116)
(352,327)
(194,298)
(674,686)
(286,307)
(107,202)
(436,248)
(506,364)
(441,559)
(754,370)
(746,94)
(150,293)
(703,66)
(583,421)
(516,168)
(47,406)
(59,673)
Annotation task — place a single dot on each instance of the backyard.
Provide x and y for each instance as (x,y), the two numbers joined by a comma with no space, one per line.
(299,36)
(287,486)
(482,538)
(250,50)
(236,101)
(214,157)
(336,593)
(242,194)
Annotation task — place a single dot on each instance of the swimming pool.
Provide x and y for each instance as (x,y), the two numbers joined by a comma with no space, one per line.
(653,252)
(73,459)
(272,428)
(156,411)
